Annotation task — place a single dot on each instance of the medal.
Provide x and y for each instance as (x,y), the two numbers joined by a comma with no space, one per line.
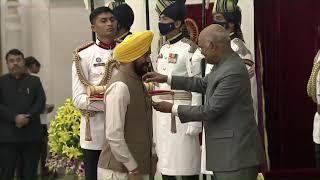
(172,58)
(98,59)
(99,64)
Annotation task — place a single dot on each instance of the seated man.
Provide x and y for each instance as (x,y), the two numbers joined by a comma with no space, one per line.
(127,152)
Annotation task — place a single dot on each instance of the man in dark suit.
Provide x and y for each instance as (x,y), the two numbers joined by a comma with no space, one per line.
(234,148)
(22,99)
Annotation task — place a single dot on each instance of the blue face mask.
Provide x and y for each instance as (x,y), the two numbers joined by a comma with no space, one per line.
(166,28)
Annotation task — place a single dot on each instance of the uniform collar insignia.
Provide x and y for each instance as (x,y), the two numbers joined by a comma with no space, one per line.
(105,45)
(176,38)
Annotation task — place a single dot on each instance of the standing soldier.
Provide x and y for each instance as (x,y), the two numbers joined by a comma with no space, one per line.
(314,92)
(93,66)
(125,17)
(178,153)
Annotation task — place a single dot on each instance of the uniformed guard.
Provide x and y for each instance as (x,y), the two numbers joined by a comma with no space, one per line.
(178,153)
(314,93)
(125,16)
(92,67)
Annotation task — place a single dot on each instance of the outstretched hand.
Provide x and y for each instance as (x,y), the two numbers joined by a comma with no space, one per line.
(155,77)
(162,106)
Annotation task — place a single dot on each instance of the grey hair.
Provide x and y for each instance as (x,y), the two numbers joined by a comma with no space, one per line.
(220,38)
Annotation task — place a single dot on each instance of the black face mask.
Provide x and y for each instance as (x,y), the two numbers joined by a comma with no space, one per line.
(166,28)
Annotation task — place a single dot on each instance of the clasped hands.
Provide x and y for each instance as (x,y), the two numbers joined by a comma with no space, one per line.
(162,106)
(22,120)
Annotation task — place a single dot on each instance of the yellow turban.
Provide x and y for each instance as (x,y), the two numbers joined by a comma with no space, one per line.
(133,46)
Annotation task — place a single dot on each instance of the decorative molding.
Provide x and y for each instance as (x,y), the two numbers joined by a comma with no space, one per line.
(12,16)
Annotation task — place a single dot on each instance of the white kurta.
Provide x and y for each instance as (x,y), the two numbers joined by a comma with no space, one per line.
(179,153)
(117,101)
(316,122)
(239,47)
(92,59)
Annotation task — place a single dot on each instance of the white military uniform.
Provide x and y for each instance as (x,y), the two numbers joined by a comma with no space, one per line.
(240,48)
(316,122)
(93,60)
(179,153)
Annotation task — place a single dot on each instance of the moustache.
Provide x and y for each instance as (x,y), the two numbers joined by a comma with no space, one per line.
(16,67)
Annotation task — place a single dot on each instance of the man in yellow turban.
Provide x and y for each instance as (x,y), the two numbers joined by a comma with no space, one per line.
(127,151)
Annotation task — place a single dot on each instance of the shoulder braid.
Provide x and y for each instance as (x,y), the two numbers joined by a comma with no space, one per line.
(193,45)
(110,65)
(312,82)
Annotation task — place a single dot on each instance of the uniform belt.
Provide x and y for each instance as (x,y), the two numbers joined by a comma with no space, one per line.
(178,95)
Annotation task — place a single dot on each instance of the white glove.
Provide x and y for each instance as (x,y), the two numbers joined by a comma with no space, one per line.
(194,128)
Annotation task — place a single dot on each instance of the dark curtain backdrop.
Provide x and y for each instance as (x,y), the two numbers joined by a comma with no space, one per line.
(288,31)
(194,12)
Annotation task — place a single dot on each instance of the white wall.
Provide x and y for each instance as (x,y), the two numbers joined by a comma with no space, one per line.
(11,28)
(69,28)
(247,7)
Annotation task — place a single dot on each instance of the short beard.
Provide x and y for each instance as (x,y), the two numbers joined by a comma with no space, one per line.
(139,70)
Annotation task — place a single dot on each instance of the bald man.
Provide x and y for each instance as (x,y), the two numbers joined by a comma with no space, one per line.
(234,149)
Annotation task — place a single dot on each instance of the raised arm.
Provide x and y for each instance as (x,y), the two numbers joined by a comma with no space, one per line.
(222,98)
(193,84)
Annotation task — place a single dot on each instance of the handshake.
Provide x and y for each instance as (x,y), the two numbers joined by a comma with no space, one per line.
(22,120)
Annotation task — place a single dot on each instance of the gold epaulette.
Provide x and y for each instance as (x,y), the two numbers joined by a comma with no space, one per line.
(193,45)
(312,82)
(112,63)
(85,46)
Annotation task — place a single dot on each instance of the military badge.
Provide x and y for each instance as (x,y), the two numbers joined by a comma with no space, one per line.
(99,64)
(98,59)
(172,58)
